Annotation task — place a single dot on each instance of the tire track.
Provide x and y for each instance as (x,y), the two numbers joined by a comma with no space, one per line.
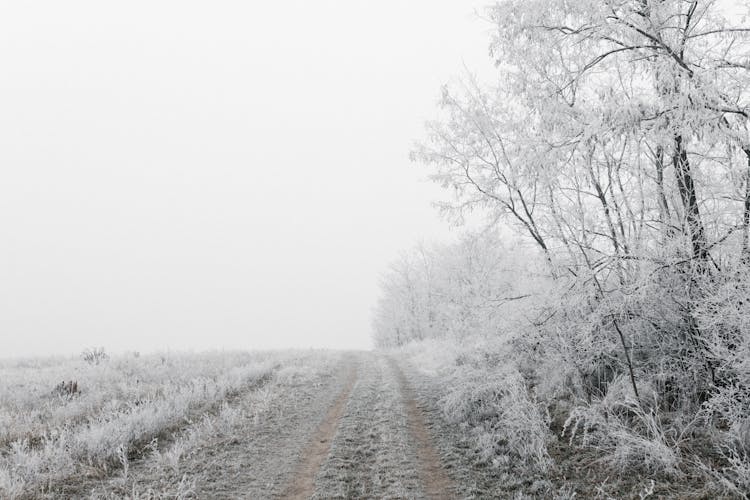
(372,454)
(317,450)
(435,480)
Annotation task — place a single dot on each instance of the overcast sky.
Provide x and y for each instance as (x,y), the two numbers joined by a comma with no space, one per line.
(192,175)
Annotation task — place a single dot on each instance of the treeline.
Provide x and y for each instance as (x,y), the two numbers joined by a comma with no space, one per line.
(615,141)
(456,290)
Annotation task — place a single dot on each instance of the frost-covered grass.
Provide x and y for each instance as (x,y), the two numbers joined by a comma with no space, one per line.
(30,409)
(125,406)
(611,446)
(371,455)
(627,435)
(227,453)
(484,390)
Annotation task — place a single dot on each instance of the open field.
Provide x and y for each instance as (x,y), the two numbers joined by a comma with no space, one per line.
(131,413)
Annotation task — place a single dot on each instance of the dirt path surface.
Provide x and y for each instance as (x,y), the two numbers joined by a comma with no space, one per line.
(259,461)
(350,427)
(381,449)
(303,480)
(437,484)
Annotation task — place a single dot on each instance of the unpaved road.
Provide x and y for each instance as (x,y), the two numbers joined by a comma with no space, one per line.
(353,429)
(372,443)
(381,448)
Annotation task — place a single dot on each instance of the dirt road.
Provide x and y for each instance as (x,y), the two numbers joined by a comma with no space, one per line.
(351,429)
(381,447)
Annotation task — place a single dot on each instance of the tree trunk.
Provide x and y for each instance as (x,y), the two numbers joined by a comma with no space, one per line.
(664,216)
(689,198)
(746,214)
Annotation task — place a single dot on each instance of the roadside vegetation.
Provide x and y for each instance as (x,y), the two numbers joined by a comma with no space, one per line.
(597,333)
(68,424)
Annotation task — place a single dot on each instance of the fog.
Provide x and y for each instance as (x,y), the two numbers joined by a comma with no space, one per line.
(194,175)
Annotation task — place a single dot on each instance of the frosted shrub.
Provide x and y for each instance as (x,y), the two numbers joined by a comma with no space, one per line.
(483,391)
(502,415)
(67,389)
(731,407)
(628,434)
(735,476)
(724,318)
(431,356)
(94,355)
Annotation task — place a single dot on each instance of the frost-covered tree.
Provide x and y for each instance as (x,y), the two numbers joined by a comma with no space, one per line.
(614,126)
(615,139)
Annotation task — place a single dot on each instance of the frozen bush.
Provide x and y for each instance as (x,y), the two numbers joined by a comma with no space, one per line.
(503,417)
(67,389)
(94,355)
(629,435)
(483,391)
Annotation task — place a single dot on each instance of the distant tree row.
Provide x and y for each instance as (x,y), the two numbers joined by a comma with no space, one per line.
(451,290)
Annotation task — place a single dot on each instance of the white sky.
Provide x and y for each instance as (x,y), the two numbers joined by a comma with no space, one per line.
(194,175)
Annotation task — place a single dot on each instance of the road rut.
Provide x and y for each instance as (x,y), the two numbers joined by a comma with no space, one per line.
(303,482)
(382,448)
